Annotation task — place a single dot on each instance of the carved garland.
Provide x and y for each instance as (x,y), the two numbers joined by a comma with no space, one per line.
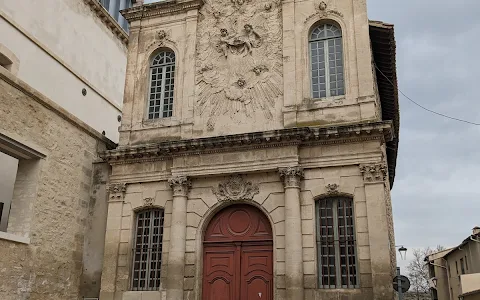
(236,188)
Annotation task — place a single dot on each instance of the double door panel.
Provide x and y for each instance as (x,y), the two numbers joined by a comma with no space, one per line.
(241,271)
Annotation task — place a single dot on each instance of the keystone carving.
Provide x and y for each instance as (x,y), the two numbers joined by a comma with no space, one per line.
(374,172)
(332,188)
(148,201)
(180,185)
(117,191)
(291,176)
(236,188)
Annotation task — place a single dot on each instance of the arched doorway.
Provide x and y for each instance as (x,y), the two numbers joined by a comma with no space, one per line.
(238,255)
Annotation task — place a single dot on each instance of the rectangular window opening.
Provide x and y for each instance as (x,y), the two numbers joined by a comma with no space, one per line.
(336,244)
(8,175)
(147,250)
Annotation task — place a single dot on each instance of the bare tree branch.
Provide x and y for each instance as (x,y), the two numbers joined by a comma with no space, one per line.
(418,270)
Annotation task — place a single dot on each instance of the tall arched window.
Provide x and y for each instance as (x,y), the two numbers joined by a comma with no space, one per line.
(326,57)
(336,243)
(162,73)
(147,250)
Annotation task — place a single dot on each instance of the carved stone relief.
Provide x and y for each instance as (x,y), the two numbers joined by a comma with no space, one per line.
(239,61)
(332,188)
(117,191)
(236,188)
(323,10)
(374,172)
(291,176)
(148,201)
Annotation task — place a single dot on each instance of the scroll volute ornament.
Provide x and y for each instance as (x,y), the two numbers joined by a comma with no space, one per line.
(236,188)
(291,176)
(180,185)
(374,172)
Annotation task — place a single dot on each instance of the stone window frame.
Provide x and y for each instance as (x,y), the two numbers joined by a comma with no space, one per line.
(147,66)
(305,65)
(338,36)
(338,284)
(137,212)
(30,159)
(162,67)
(8,60)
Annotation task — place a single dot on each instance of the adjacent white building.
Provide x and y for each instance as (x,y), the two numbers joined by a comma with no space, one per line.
(73,52)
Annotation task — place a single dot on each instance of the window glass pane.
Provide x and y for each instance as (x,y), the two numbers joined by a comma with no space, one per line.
(336,243)
(162,73)
(147,251)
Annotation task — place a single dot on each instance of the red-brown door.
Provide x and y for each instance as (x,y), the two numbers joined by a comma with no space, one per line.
(238,256)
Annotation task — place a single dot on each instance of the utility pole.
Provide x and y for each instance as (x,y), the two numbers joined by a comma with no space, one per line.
(399,284)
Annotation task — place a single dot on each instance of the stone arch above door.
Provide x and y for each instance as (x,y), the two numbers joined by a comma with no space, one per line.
(241,222)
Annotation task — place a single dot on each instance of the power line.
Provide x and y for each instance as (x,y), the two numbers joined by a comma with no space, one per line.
(423,107)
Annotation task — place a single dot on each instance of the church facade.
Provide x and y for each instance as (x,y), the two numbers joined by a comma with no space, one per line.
(256,156)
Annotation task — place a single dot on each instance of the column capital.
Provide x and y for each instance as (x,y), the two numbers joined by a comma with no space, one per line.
(373,173)
(180,185)
(116,191)
(291,176)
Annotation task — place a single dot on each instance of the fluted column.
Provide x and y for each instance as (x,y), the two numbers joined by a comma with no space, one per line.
(293,232)
(178,229)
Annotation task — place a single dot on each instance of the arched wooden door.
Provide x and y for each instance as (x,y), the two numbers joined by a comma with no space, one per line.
(238,255)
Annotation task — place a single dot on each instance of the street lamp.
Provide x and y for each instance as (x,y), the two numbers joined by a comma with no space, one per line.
(403,255)
(403,252)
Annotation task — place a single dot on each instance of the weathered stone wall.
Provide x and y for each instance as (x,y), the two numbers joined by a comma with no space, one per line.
(334,165)
(264,84)
(50,265)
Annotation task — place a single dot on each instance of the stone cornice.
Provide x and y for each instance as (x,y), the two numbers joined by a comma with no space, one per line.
(304,136)
(108,20)
(160,9)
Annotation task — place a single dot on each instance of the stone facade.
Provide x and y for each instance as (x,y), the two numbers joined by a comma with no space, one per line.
(245,129)
(53,247)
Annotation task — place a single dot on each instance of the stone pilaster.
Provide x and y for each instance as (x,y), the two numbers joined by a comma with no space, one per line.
(116,194)
(293,232)
(178,229)
(374,177)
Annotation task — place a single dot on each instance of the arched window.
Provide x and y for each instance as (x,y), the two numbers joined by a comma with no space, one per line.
(162,73)
(336,243)
(147,250)
(326,58)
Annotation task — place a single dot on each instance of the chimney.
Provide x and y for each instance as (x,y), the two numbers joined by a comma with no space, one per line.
(476,230)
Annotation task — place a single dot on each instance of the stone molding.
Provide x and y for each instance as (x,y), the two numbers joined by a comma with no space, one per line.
(159,9)
(374,172)
(116,191)
(304,136)
(235,188)
(291,176)
(108,20)
(180,185)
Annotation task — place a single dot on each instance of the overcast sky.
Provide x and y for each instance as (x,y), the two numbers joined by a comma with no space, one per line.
(435,196)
